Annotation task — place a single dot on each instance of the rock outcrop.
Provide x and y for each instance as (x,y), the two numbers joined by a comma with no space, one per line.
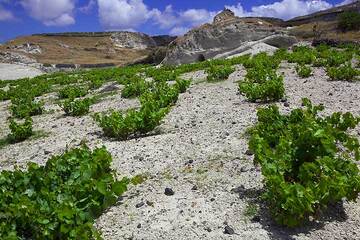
(132,40)
(227,34)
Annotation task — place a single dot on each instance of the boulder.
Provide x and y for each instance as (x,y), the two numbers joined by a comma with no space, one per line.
(132,40)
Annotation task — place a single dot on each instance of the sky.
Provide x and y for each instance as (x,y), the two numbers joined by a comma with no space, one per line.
(154,17)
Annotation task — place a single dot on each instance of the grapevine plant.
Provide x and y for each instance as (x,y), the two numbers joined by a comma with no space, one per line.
(218,73)
(61,199)
(303,71)
(261,82)
(308,161)
(74,107)
(20,131)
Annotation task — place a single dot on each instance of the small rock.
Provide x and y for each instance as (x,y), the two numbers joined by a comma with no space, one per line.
(139,225)
(194,188)
(286,104)
(229,230)
(256,219)
(212,199)
(330,94)
(249,152)
(169,192)
(47,152)
(139,205)
(151,204)
(243,169)
(283,100)
(110,88)
(208,229)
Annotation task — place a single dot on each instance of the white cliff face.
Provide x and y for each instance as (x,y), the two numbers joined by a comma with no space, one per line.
(132,40)
(226,34)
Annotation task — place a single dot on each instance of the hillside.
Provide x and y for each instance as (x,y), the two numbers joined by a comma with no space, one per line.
(114,48)
(325,25)
(198,152)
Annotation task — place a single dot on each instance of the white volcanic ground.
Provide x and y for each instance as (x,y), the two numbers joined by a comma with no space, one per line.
(200,153)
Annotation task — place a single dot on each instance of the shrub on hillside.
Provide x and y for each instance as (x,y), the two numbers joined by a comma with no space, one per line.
(182,85)
(349,21)
(262,84)
(343,73)
(303,71)
(26,107)
(308,161)
(73,107)
(72,92)
(219,73)
(20,131)
(60,200)
(135,88)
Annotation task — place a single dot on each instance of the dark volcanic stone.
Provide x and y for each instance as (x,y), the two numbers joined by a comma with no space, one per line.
(229,230)
(169,192)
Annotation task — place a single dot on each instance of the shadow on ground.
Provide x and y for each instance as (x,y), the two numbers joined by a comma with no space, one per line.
(334,212)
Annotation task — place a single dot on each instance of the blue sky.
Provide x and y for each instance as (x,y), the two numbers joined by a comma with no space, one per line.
(175,17)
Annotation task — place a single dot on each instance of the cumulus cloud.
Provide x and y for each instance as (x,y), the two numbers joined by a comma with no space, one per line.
(123,14)
(6,15)
(179,22)
(178,31)
(51,13)
(285,9)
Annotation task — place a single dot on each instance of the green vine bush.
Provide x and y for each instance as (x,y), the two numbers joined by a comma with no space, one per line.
(20,131)
(135,88)
(303,71)
(74,107)
(343,73)
(26,107)
(60,200)
(349,21)
(307,160)
(218,73)
(72,92)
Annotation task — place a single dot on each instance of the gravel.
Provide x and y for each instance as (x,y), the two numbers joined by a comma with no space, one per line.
(15,71)
(201,152)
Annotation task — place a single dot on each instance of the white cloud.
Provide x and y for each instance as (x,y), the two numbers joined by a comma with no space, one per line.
(6,15)
(178,31)
(179,22)
(346,2)
(64,20)
(285,9)
(123,14)
(197,16)
(89,7)
(51,13)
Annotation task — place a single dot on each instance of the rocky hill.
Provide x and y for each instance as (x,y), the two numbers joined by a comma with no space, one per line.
(89,48)
(228,35)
